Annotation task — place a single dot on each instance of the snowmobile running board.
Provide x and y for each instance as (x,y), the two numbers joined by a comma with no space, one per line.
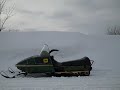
(75,73)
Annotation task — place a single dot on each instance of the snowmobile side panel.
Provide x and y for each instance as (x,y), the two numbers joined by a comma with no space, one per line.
(36,68)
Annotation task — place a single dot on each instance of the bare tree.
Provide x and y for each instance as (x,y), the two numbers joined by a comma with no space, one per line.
(5,13)
(113,30)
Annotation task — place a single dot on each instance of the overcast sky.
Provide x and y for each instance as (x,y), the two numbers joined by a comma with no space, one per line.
(85,16)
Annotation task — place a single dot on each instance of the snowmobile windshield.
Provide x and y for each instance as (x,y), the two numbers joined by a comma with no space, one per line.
(45,51)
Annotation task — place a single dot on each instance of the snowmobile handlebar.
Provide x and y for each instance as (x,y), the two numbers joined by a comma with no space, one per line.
(53,50)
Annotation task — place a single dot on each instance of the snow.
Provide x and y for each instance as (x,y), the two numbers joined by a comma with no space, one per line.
(104,50)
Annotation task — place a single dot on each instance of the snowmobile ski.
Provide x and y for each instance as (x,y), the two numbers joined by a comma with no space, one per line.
(11,70)
(6,76)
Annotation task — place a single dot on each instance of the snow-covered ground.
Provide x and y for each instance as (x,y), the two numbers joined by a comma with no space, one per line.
(104,50)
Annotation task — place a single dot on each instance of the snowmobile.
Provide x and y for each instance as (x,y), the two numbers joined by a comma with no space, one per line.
(45,63)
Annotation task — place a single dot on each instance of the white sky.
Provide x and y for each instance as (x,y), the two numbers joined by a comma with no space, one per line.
(85,16)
